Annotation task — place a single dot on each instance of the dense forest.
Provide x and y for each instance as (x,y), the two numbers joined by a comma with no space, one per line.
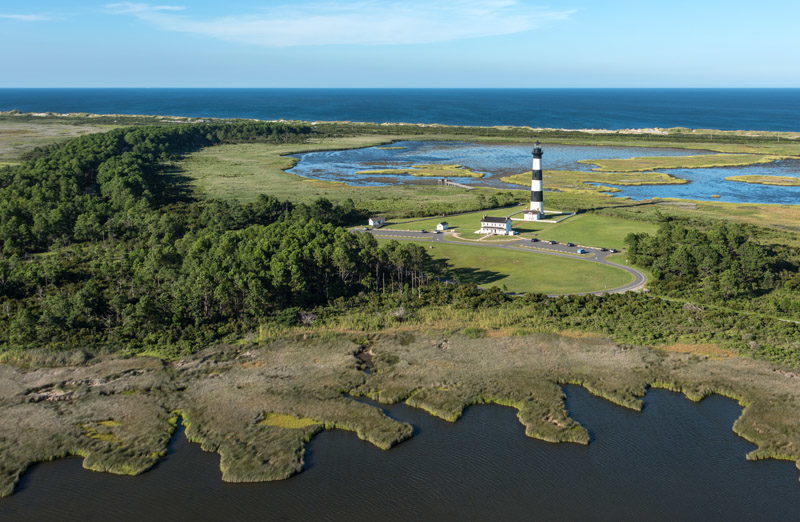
(103,248)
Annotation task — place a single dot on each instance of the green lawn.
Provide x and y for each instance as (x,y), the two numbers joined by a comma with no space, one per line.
(583,229)
(596,230)
(465,224)
(526,271)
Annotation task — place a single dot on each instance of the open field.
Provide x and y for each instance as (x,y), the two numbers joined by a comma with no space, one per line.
(464,224)
(781,181)
(525,271)
(596,230)
(258,404)
(678,162)
(784,219)
(17,138)
(587,229)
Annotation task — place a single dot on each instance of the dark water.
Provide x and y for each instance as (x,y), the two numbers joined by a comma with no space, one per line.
(674,461)
(730,109)
(497,161)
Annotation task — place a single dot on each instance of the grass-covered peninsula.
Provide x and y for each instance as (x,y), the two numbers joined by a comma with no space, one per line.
(172,269)
(780,181)
(596,181)
(679,162)
(428,170)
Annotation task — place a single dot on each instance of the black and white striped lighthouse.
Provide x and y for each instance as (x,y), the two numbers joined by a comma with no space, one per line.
(536,211)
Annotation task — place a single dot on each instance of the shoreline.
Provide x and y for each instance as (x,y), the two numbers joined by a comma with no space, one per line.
(703,133)
(119,414)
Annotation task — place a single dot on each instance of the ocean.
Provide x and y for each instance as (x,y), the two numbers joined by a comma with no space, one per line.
(726,109)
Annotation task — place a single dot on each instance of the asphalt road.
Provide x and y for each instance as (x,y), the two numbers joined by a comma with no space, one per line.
(594,255)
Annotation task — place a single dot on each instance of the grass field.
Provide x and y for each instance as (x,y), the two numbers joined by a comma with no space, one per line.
(678,162)
(781,181)
(465,224)
(17,138)
(526,271)
(583,229)
(596,230)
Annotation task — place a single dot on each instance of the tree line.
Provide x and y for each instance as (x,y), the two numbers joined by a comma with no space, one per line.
(88,186)
(98,251)
(721,264)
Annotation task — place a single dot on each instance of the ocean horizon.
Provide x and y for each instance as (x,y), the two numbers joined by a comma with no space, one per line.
(764,109)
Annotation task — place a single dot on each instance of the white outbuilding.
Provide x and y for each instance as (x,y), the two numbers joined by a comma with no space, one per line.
(377,221)
(500,226)
(441,227)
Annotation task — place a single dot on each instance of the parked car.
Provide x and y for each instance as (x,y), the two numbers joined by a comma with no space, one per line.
(534,240)
(570,244)
(424,231)
(613,251)
(603,249)
(583,251)
(552,242)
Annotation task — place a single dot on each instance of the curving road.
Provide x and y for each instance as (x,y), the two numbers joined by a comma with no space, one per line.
(595,255)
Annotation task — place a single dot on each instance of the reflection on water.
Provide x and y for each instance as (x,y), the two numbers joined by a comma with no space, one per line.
(497,161)
(674,461)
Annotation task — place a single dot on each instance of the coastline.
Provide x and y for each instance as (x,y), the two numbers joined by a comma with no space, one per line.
(135,402)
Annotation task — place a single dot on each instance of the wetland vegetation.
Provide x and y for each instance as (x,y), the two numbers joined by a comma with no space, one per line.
(782,181)
(430,170)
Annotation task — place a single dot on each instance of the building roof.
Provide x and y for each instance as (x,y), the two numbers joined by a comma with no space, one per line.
(443,223)
(489,219)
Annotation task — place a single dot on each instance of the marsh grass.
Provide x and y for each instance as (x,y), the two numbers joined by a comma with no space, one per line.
(281,420)
(595,181)
(678,162)
(258,404)
(781,181)
(428,170)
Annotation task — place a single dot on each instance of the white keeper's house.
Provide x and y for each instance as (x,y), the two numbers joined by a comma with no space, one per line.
(377,221)
(500,226)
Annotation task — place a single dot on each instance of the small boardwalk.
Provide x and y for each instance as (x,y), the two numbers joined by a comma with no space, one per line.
(447,182)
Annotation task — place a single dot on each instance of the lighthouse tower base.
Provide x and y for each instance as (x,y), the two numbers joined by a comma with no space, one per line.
(532,215)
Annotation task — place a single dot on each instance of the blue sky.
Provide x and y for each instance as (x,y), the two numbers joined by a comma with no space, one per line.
(410,43)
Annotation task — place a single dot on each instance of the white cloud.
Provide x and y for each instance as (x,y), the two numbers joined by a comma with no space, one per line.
(364,22)
(26,17)
(137,8)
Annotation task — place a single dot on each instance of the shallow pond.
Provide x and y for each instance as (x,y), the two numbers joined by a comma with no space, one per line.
(497,161)
(676,460)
